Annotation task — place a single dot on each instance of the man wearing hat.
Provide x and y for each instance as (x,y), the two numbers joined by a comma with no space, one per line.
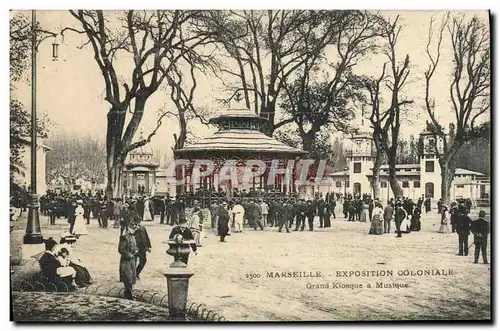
(255,215)
(399,217)
(463,230)
(480,228)
(196,223)
(285,212)
(143,244)
(223,221)
(127,247)
(183,230)
(238,213)
(264,211)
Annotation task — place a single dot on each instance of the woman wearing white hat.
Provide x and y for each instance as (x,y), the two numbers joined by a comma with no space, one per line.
(444,220)
(79,228)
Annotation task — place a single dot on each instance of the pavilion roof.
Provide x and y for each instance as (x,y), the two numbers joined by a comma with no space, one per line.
(240,140)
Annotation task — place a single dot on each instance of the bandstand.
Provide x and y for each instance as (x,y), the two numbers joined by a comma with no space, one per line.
(240,138)
(139,173)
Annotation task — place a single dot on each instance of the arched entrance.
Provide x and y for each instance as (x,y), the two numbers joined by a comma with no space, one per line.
(357,189)
(429,190)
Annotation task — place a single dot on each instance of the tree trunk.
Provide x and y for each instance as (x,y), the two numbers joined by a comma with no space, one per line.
(308,142)
(181,139)
(376,176)
(114,157)
(114,185)
(269,111)
(447,174)
(396,188)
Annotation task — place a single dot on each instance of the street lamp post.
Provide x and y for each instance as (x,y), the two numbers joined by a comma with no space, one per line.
(33,233)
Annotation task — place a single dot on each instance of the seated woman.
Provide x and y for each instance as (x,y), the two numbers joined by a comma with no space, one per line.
(52,268)
(65,250)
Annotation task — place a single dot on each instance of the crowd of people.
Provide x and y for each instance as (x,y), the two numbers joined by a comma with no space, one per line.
(189,216)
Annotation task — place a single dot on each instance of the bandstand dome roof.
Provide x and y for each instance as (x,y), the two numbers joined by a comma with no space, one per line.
(140,169)
(239,131)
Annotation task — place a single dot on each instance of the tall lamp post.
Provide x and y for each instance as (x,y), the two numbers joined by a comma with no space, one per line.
(33,233)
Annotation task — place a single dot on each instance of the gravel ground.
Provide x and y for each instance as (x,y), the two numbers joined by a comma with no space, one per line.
(223,272)
(61,307)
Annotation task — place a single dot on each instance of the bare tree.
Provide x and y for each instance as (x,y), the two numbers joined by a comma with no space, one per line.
(73,157)
(270,47)
(469,91)
(154,41)
(373,87)
(313,103)
(386,122)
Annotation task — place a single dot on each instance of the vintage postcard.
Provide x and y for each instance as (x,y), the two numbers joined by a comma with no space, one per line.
(250,165)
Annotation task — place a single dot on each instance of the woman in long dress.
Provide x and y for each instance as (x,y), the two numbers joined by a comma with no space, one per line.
(79,228)
(405,224)
(82,277)
(415,220)
(444,220)
(377,219)
(147,211)
(365,215)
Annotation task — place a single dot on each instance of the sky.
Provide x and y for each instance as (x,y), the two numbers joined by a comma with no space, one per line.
(71,90)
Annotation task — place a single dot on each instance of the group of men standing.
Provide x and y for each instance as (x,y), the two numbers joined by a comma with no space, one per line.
(285,212)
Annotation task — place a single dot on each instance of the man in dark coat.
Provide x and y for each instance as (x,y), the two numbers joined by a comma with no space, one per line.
(143,244)
(273,210)
(351,209)
(454,216)
(127,247)
(359,208)
(160,206)
(301,209)
(310,213)
(345,207)
(103,214)
(168,210)
(480,228)
(321,212)
(52,210)
(255,215)
(371,205)
(468,204)
(420,202)
(388,214)
(284,214)
(223,221)
(427,204)
(140,207)
(70,211)
(183,230)
(463,230)
(399,216)
(86,210)
(333,205)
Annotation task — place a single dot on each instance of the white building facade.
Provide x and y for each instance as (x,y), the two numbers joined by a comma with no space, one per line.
(422,179)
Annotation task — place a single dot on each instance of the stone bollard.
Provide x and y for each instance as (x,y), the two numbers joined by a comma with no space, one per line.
(178,276)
